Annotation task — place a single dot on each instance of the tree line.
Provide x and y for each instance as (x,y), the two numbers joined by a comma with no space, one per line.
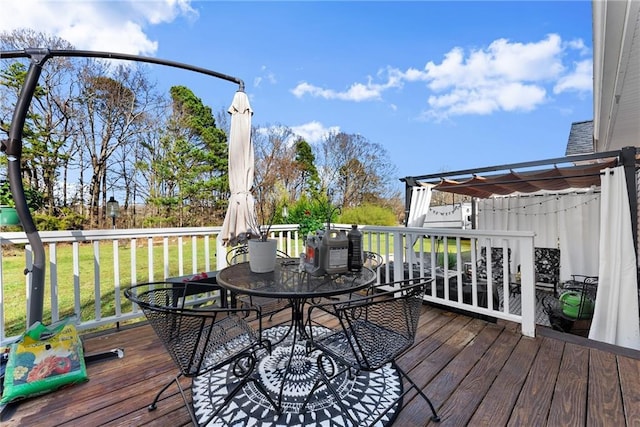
(96,129)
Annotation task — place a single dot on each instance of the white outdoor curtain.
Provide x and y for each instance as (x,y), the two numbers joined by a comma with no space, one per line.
(579,234)
(568,221)
(241,215)
(615,317)
(420,201)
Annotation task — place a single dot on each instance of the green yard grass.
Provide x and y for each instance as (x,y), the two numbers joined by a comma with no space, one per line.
(15,287)
(15,283)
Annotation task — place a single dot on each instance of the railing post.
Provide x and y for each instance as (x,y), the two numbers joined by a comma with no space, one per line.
(528,288)
(398,256)
(221,254)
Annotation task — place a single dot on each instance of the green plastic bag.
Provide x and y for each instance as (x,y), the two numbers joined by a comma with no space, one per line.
(43,360)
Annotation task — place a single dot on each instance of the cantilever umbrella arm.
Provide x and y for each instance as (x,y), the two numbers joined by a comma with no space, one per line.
(13,149)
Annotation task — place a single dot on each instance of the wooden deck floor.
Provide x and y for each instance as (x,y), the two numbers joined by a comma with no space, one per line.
(476,373)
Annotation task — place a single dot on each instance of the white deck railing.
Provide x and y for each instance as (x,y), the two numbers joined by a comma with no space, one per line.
(157,254)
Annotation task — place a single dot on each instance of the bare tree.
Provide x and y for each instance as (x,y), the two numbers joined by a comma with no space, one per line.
(50,125)
(112,104)
(276,170)
(355,169)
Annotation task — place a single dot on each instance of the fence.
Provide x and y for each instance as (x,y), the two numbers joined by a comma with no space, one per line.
(87,270)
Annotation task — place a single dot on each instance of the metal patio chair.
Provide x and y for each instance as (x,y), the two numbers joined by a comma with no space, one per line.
(373,260)
(370,260)
(373,332)
(497,272)
(266,306)
(547,268)
(201,339)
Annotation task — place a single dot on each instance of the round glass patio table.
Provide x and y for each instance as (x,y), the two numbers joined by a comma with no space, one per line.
(289,282)
(290,371)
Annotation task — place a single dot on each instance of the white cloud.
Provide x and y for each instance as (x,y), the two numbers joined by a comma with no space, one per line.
(267,75)
(579,80)
(158,11)
(116,26)
(313,132)
(504,76)
(578,44)
(357,92)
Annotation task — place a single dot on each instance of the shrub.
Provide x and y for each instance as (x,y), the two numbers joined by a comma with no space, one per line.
(369,215)
(310,215)
(67,219)
(35,199)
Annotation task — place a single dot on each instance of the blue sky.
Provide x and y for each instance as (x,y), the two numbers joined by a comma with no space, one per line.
(441,85)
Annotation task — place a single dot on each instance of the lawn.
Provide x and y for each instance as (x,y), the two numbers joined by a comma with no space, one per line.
(92,269)
(101,269)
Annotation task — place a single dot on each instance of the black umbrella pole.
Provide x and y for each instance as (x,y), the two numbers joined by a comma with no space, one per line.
(13,149)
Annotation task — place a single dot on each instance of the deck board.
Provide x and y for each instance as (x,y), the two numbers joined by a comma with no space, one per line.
(604,390)
(433,366)
(497,404)
(571,388)
(534,401)
(630,387)
(468,395)
(475,372)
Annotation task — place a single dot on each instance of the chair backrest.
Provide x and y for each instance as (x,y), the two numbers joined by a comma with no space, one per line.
(372,260)
(547,265)
(241,254)
(197,340)
(383,326)
(587,286)
(496,263)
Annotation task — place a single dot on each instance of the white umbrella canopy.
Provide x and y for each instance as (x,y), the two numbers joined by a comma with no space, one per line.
(241,214)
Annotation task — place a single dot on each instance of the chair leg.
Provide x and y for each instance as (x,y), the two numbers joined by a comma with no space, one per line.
(434,416)
(175,380)
(326,380)
(152,406)
(235,391)
(246,375)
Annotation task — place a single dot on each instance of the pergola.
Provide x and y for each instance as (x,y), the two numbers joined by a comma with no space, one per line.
(552,175)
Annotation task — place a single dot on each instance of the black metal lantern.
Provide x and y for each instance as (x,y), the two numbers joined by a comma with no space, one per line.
(113,210)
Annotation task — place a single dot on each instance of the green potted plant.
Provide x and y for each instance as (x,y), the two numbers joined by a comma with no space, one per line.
(8,214)
(262,250)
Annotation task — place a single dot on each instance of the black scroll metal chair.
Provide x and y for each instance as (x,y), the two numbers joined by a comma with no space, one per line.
(497,271)
(201,339)
(370,260)
(547,268)
(373,260)
(373,332)
(572,310)
(266,306)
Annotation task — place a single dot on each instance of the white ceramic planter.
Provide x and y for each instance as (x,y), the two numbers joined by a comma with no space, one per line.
(262,255)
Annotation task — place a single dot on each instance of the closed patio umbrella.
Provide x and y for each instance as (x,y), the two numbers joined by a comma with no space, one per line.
(13,149)
(241,215)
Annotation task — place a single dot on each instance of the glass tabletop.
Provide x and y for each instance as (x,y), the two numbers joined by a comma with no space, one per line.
(287,281)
